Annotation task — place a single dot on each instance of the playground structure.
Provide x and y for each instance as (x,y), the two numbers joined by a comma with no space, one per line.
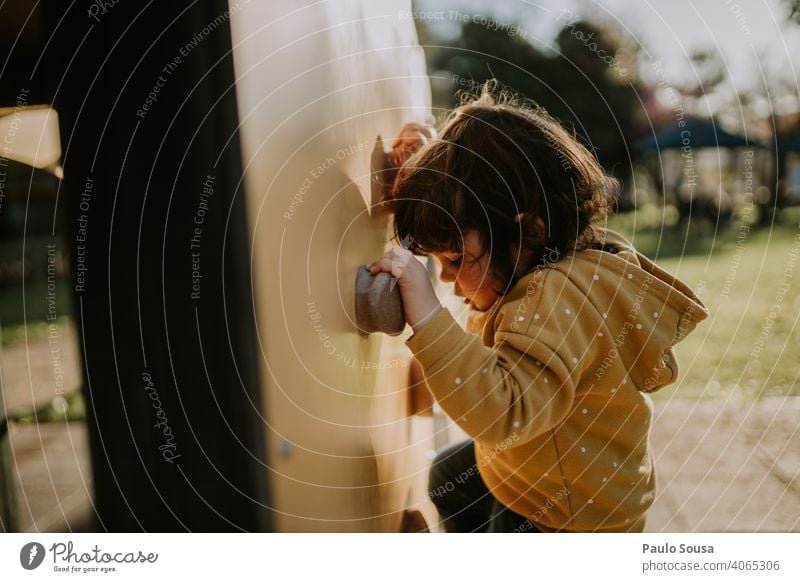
(218,195)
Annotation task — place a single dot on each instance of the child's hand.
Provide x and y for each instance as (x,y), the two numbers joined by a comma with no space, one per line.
(412,136)
(419,301)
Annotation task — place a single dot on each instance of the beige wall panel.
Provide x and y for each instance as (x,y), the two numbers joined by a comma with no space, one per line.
(316,84)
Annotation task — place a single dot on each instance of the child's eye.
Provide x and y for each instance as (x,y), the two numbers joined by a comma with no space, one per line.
(456,261)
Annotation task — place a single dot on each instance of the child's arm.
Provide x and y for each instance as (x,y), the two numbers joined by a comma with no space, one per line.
(517,389)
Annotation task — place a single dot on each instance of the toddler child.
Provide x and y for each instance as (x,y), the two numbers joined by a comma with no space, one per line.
(569,328)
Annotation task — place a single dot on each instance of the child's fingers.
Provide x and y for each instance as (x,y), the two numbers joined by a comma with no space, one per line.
(413,135)
(394,262)
(374,267)
(381,265)
(406,132)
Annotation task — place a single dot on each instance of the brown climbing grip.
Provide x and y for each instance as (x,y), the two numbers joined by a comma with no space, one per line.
(379,305)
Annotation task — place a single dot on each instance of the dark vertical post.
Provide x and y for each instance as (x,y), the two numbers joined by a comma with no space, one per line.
(160,260)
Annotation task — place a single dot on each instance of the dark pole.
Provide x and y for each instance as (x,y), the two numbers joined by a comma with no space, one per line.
(160,262)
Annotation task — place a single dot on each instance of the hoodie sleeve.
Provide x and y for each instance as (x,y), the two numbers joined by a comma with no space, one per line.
(520,388)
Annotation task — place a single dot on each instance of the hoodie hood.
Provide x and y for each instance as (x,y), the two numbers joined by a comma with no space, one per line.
(648,310)
(645,311)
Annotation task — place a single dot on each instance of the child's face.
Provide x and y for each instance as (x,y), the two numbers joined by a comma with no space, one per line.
(470,272)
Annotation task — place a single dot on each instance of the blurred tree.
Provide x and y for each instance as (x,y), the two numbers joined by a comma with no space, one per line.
(794,10)
(708,72)
(767,112)
(589,84)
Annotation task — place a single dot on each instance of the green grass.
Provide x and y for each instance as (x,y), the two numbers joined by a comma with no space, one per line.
(739,349)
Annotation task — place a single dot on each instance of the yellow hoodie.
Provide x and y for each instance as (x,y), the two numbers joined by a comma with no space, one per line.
(554,390)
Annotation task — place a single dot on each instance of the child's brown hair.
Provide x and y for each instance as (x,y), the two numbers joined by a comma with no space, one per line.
(498,166)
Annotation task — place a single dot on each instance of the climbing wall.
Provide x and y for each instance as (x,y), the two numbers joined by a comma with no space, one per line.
(316,85)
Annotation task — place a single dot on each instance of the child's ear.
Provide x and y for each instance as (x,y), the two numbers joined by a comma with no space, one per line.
(535,229)
(539,222)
